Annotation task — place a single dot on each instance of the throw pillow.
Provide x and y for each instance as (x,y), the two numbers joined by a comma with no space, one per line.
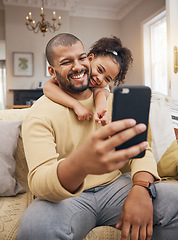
(8,142)
(161,136)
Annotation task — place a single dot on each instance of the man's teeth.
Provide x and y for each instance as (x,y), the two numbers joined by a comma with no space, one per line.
(78,76)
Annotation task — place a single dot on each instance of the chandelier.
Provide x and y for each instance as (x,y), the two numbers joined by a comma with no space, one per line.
(42,25)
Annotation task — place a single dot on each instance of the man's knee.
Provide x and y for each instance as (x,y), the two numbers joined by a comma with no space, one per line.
(165,204)
(31,227)
(34,223)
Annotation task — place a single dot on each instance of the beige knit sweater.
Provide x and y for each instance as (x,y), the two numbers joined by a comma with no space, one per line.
(50,133)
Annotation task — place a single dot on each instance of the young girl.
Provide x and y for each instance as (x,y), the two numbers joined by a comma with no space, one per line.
(109,61)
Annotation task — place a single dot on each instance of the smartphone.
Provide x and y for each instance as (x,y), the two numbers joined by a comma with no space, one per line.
(132,102)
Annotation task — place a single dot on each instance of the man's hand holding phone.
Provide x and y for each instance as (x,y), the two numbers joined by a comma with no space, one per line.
(97,154)
(99,150)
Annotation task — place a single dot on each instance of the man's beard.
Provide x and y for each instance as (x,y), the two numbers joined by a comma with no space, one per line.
(68,86)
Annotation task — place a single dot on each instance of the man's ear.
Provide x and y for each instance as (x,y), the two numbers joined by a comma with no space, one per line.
(51,71)
(91,57)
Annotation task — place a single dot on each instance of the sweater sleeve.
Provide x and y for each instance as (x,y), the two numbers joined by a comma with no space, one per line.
(145,164)
(43,160)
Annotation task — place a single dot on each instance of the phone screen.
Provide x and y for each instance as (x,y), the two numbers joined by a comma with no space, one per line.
(132,102)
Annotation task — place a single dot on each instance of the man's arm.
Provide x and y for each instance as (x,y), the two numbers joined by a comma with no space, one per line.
(98,156)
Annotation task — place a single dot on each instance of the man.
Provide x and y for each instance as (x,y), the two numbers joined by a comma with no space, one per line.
(74,168)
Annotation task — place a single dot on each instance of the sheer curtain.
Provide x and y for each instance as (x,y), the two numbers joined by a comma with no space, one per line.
(155,53)
(2,84)
(159,56)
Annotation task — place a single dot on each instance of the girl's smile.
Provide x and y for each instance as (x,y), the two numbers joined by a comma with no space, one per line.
(104,70)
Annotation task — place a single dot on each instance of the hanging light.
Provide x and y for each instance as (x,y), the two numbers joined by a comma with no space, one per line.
(42,25)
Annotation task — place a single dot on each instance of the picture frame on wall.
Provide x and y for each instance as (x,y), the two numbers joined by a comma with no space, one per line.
(23,64)
(46,68)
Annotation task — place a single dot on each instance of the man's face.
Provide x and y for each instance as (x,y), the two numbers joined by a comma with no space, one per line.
(72,67)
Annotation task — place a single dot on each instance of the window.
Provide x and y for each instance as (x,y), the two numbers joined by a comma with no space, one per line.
(155,53)
(2,84)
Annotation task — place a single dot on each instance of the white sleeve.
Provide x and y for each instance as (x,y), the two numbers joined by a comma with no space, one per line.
(107,88)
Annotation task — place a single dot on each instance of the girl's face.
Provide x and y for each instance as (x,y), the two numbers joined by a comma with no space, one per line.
(104,70)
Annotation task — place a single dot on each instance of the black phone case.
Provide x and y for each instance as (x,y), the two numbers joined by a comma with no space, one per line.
(132,102)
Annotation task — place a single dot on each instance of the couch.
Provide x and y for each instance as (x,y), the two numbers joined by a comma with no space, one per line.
(12,207)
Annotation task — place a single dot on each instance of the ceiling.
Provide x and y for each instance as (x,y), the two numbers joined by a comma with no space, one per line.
(105,9)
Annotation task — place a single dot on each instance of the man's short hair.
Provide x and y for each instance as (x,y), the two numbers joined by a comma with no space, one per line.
(63,39)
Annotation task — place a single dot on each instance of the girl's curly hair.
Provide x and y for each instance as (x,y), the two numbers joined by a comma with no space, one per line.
(113,47)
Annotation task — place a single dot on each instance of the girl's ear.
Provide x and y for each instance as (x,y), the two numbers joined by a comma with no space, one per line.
(91,57)
(51,71)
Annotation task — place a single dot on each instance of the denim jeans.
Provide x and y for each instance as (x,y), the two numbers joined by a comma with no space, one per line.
(73,218)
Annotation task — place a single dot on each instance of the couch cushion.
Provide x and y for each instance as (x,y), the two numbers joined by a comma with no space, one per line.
(8,142)
(21,165)
(161,137)
(14,114)
(11,210)
(104,233)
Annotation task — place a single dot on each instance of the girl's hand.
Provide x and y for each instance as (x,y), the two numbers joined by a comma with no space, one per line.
(105,119)
(82,112)
(102,117)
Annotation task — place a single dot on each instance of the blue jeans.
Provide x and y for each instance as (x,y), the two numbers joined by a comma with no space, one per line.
(73,218)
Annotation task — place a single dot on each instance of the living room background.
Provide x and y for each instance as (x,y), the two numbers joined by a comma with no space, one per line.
(19,39)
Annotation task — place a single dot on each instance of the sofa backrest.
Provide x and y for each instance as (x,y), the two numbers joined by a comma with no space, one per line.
(21,165)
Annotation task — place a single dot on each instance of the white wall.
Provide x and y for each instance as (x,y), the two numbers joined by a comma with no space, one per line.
(2,23)
(90,30)
(131,32)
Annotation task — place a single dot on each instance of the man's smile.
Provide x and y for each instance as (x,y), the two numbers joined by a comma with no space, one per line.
(78,76)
